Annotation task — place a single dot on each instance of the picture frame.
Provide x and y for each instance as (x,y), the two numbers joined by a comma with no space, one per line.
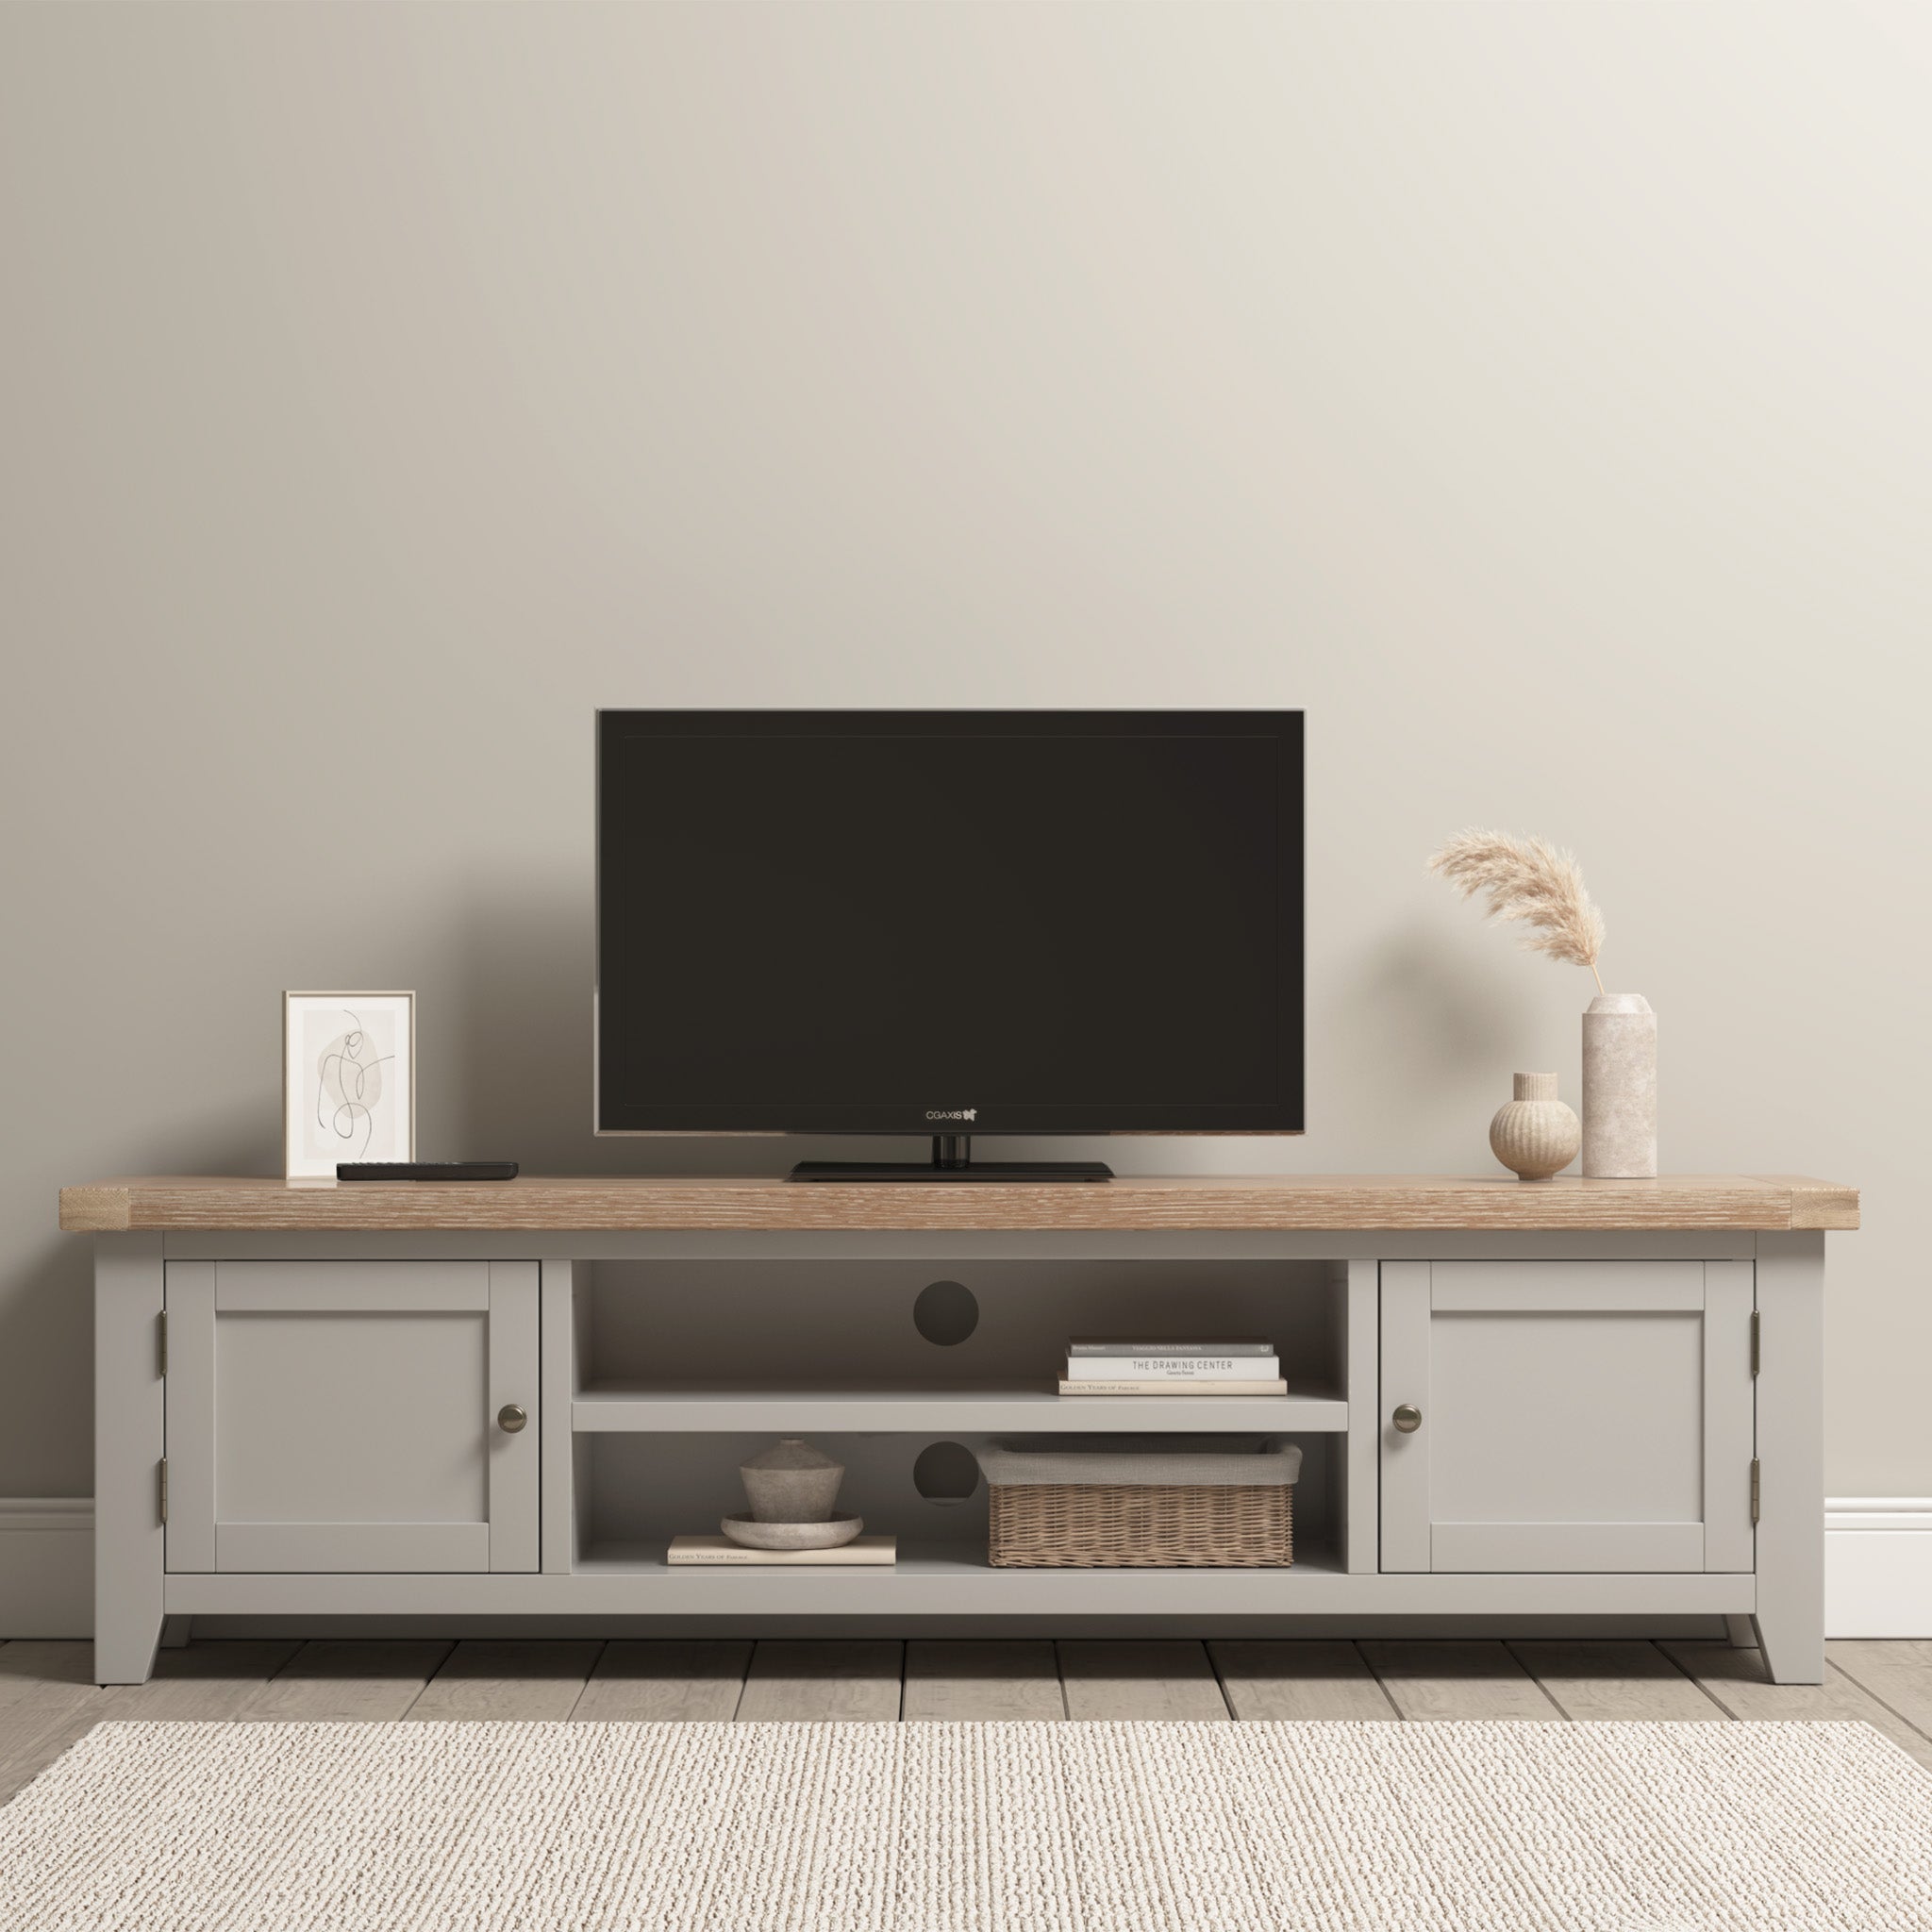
(348,1080)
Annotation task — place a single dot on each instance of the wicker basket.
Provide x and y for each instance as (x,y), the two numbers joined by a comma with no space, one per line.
(1239,1517)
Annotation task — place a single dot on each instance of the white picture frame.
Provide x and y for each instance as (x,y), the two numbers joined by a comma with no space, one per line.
(348,1080)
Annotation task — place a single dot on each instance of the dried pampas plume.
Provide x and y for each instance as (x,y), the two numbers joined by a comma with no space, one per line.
(1531,880)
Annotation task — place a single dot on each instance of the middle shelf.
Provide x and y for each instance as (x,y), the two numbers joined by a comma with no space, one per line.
(618,1409)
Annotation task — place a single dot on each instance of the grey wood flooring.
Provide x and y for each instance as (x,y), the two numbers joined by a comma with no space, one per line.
(48,1699)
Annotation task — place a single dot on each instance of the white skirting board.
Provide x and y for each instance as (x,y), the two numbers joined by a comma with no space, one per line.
(46,1566)
(1878,1566)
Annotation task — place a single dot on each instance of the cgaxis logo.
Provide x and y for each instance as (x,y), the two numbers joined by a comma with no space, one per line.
(955,1114)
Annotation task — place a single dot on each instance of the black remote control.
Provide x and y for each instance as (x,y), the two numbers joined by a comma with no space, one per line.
(425,1170)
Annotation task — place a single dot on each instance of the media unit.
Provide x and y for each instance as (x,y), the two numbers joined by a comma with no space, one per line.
(442,1401)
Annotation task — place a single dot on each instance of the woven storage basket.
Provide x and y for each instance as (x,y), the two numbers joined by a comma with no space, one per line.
(1099,1503)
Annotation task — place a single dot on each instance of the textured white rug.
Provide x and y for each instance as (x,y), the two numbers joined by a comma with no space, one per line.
(927,1827)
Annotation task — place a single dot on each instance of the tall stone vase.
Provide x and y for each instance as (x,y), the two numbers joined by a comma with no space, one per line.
(1619,1088)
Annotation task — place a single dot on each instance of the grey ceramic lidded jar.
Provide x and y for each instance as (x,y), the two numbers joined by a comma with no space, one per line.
(1620,1088)
(791,1483)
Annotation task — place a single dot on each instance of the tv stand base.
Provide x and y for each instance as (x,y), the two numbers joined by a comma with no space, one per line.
(979,1170)
(952,1160)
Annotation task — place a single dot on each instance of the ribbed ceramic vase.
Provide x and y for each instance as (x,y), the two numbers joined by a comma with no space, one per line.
(1536,1136)
(1620,1088)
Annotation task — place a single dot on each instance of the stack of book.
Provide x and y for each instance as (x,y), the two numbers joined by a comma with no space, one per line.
(1132,1365)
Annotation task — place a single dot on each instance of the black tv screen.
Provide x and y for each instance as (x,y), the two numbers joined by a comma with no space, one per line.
(949,922)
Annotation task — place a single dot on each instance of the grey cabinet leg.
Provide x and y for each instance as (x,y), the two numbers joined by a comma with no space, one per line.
(1791,1455)
(175,1632)
(1741,1632)
(129,1547)
(124,1651)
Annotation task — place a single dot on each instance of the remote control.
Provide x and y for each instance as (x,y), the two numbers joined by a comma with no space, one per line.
(425,1170)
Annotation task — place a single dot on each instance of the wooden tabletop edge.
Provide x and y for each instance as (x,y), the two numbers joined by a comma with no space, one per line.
(102,1207)
(1816,1205)
(1769,1203)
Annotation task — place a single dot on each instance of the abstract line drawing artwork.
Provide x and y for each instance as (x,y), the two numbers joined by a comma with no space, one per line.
(349,1074)
(348,1068)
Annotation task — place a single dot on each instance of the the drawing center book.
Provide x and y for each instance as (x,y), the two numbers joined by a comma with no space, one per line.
(1172,1368)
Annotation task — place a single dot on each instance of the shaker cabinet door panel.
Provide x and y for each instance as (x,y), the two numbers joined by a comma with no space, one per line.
(1579,1416)
(326,1416)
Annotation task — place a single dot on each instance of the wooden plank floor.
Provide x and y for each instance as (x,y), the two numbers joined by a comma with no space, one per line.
(48,1699)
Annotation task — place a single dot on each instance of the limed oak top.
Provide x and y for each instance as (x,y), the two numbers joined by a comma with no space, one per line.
(1767,1203)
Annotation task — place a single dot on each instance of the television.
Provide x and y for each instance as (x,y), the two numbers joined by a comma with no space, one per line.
(949,924)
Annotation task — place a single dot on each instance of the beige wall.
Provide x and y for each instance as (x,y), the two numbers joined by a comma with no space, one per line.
(1537,394)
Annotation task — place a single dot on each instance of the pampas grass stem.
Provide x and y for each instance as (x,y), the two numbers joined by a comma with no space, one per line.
(1532,881)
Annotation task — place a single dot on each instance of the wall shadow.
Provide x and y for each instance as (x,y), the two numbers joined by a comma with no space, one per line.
(1409,1004)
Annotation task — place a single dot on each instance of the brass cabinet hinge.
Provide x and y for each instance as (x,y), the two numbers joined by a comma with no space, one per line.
(1755,1466)
(1754,1341)
(162,1467)
(162,1340)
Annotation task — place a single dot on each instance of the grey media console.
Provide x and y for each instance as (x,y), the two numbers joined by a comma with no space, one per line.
(445,1401)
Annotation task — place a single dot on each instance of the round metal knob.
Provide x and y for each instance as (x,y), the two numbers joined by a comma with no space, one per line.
(511,1416)
(1408,1419)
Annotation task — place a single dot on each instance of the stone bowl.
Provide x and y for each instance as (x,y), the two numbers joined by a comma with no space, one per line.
(791,1535)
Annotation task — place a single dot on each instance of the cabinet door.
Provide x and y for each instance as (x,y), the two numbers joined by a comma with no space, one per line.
(1589,1415)
(343,1415)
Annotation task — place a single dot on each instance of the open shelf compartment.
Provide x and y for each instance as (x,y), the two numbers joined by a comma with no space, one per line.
(636,1492)
(682,1347)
